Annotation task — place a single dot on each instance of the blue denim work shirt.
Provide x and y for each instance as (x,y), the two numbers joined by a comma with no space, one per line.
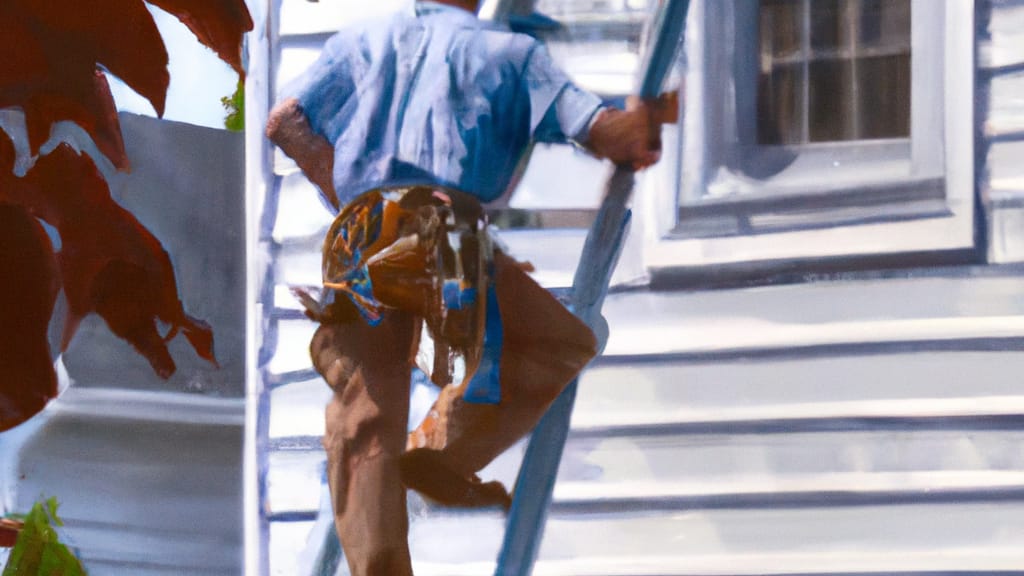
(437,97)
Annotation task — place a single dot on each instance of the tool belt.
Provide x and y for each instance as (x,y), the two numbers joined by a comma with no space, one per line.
(424,250)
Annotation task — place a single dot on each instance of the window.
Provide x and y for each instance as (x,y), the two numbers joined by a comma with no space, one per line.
(819,129)
(818,63)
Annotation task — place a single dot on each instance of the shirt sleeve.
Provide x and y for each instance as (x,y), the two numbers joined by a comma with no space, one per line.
(325,87)
(559,110)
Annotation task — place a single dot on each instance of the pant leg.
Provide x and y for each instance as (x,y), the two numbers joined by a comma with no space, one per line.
(366,420)
(544,346)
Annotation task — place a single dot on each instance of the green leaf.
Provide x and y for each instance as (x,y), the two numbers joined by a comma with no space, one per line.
(235,107)
(51,507)
(38,551)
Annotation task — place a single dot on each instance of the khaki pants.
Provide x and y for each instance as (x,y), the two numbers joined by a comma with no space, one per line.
(544,347)
(369,370)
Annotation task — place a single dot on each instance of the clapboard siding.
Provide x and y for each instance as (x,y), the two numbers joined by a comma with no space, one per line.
(148,482)
(914,539)
(1001,125)
(903,440)
(1006,111)
(1000,33)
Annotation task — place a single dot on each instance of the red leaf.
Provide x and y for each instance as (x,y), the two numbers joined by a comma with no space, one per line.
(52,79)
(27,295)
(24,63)
(110,263)
(52,50)
(119,34)
(87,102)
(7,157)
(218,24)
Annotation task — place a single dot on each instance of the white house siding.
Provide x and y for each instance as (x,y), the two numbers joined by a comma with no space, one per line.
(1000,109)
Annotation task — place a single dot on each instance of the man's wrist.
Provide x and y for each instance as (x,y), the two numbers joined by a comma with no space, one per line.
(584,134)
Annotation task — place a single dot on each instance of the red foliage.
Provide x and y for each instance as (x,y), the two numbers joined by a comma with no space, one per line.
(119,34)
(55,77)
(85,100)
(110,264)
(26,64)
(56,53)
(28,292)
(218,24)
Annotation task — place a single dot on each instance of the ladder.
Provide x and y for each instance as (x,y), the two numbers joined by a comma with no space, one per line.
(534,486)
(536,481)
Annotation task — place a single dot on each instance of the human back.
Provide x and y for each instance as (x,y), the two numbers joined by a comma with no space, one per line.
(438,97)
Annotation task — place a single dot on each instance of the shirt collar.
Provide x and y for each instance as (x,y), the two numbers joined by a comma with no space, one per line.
(425,7)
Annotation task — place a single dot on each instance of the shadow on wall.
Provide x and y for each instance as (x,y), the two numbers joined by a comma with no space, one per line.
(187,187)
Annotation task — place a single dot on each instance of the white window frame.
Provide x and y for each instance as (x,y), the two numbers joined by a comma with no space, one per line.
(921,191)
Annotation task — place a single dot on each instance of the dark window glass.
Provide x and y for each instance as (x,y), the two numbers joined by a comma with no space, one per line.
(833,70)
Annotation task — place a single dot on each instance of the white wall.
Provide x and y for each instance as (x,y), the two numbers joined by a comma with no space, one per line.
(186,187)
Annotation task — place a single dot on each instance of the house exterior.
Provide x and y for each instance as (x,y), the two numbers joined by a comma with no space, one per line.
(816,323)
(147,470)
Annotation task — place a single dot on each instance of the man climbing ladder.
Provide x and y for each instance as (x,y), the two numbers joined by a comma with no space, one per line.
(403,125)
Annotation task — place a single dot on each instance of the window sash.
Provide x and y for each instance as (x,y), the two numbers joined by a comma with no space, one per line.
(945,156)
(724,162)
(796,54)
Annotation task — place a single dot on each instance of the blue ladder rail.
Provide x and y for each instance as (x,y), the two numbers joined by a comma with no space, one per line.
(536,481)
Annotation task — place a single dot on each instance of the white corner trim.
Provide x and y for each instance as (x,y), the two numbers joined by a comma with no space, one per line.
(149,406)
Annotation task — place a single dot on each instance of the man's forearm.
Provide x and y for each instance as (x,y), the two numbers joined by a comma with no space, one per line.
(631,137)
(289,129)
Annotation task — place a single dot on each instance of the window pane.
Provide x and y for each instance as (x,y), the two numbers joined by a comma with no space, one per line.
(885,24)
(781,26)
(829,101)
(885,109)
(780,94)
(780,110)
(826,25)
(833,70)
